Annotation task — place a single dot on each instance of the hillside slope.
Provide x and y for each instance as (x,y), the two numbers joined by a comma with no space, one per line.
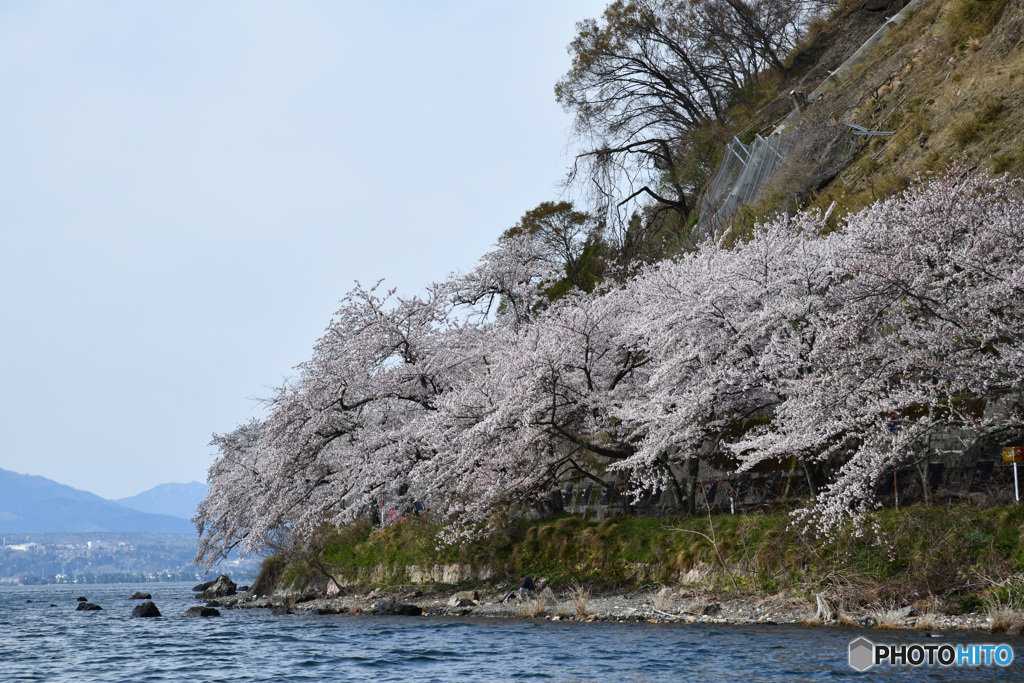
(946,83)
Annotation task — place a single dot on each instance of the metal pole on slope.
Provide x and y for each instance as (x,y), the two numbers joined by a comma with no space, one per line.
(1014,454)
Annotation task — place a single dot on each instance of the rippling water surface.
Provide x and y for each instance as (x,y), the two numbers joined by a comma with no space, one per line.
(43,643)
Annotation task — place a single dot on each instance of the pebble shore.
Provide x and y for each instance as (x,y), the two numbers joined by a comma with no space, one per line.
(634,606)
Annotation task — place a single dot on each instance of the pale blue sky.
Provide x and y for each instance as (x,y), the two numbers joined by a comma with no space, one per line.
(188,188)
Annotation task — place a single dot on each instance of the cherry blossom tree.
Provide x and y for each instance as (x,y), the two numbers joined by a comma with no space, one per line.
(539,407)
(850,349)
(928,312)
(726,330)
(355,427)
(346,433)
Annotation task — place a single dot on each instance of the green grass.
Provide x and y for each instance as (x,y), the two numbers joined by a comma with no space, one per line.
(903,555)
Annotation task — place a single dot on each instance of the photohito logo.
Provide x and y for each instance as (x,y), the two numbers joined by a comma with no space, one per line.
(864,654)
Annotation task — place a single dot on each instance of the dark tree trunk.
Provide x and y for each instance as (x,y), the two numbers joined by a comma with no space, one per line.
(692,470)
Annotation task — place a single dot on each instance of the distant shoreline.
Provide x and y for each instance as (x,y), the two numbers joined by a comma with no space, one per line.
(5,583)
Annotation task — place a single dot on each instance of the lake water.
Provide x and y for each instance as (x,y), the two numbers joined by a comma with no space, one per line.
(43,643)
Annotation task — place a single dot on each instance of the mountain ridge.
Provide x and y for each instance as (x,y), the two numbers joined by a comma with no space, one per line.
(34,504)
(175,499)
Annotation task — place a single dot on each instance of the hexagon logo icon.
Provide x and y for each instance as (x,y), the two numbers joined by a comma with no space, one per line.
(862,654)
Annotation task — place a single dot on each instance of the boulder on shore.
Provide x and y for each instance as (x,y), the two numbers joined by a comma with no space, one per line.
(221,587)
(391,607)
(383,605)
(308,596)
(199,611)
(139,595)
(906,612)
(456,600)
(404,610)
(87,607)
(146,609)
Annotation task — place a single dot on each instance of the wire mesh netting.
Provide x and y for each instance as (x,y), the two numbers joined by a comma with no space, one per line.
(745,171)
(810,146)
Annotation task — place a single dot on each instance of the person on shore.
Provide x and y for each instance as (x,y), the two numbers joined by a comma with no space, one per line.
(526,587)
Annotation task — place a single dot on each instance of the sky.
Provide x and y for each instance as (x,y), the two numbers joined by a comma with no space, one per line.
(187,189)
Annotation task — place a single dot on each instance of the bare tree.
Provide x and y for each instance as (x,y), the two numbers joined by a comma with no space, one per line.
(650,72)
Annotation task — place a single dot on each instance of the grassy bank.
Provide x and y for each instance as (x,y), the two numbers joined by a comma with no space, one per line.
(958,556)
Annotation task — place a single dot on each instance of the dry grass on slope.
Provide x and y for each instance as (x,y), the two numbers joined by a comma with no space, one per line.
(949,81)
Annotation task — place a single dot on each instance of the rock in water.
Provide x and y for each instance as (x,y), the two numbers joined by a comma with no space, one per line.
(83,599)
(87,607)
(139,595)
(221,587)
(146,609)
(201,612)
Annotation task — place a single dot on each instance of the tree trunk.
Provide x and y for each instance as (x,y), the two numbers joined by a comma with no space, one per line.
(692,470)
(673,484)
(926,489)
(811,479)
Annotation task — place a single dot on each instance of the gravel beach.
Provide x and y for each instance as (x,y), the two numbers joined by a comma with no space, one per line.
(643,605)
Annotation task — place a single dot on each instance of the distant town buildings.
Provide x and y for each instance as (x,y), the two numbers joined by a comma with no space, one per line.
(112,558)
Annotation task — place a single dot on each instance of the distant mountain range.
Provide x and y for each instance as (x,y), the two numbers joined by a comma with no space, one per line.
(33,504)
(177,500)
